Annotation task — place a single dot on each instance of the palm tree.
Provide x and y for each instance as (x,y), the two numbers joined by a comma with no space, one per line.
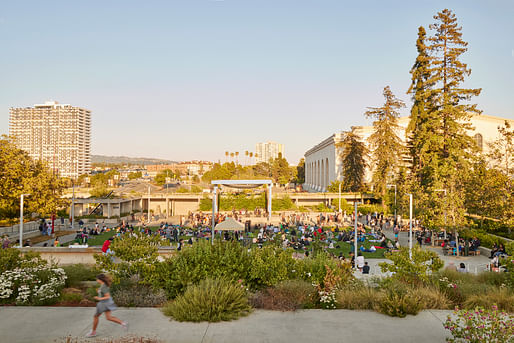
(226,156)
(232,156)
(251,155)
(246,157)
(237,154)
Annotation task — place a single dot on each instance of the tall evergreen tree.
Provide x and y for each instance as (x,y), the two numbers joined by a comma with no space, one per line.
(420,137)
(353,156)
(451,116)
(387,147)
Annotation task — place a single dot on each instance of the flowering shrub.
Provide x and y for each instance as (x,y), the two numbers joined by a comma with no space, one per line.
(38,285)
(327,289)
(480,326)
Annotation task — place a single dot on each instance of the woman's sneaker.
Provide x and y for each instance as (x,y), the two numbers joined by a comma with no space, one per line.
(125,325)
(91,334)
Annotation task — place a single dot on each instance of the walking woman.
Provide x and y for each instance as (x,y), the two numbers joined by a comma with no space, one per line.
(105,304)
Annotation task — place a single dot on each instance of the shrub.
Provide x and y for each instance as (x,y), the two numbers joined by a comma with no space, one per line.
(39,285)
(480,326)
(131,293)
(77,273)
(417,269)
(289,295)
(314,269)
(358,298)
(432,298)
(71,297)
(210,300)
(12,258)
(400,304)
(137,254)
(269,266)
(227,260)
(501,297)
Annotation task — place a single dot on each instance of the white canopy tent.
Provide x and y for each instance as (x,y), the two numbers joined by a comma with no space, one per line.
(230,224)
(237,184)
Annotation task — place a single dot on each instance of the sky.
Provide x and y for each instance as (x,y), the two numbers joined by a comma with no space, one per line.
(191,79)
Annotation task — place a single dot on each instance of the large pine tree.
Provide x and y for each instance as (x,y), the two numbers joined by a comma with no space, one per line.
(387,147)
(353,156)
(439,120)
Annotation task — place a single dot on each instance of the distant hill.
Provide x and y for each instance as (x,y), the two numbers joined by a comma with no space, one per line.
(128,160)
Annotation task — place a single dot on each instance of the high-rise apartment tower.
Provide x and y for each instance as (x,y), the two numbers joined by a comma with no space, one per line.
(56,133)
(267,151)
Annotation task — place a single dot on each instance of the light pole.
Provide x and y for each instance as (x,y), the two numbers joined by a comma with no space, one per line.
(340,196)
(21,218)
(73,206)
(394,199)
(356,216)
(148,204)
(410,226)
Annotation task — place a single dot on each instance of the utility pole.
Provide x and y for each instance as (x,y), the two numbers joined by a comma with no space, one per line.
(21,219)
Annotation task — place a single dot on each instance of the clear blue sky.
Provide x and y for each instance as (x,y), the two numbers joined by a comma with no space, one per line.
(191,79)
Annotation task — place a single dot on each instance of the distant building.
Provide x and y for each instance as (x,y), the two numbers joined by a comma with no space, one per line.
(56,133)
(323,163)
(183,168)
(265,152)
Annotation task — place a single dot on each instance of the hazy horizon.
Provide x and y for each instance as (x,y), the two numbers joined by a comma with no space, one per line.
(189,80)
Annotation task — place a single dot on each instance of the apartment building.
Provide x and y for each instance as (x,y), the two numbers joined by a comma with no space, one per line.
(58,134)
(264,152)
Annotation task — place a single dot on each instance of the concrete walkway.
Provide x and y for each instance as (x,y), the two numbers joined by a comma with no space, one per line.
(51,324)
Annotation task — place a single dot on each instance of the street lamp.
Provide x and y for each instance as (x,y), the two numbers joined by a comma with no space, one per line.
(410,226)
(148,205)
(394,199)
(356,216)
(21,218)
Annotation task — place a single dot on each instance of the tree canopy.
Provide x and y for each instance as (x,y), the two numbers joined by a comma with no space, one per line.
(20,174)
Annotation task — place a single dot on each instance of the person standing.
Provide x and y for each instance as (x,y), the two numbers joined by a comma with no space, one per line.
(105,304)
(359,261)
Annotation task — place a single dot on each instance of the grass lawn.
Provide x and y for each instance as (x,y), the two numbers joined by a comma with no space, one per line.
(95,240)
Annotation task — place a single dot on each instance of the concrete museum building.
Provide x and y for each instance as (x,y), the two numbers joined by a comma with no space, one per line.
(323,163)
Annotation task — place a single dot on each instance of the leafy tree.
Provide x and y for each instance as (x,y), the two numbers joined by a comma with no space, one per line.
(280,170)
(502,154)
(160,179)
(99,191)
(353,155)
(484,191)
(20,174)
(386,145)
(300,172)
(135,175)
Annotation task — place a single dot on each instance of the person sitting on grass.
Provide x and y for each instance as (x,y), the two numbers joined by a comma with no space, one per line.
(462,268)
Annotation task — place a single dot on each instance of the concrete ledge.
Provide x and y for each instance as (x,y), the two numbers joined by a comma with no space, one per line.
(66,255)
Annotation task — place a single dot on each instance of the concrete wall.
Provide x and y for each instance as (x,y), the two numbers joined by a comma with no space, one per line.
(66,256)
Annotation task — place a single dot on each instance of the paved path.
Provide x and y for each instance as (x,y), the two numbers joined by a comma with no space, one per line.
(50,324)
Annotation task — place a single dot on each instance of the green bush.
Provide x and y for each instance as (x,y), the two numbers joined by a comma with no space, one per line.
(76,273)
(210,300)
(289,295)
(269,266)
(417,269)
(399,300)
(132,293)
(314,269)
(227,260)
(71,297)
(137,254)
(12,258)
